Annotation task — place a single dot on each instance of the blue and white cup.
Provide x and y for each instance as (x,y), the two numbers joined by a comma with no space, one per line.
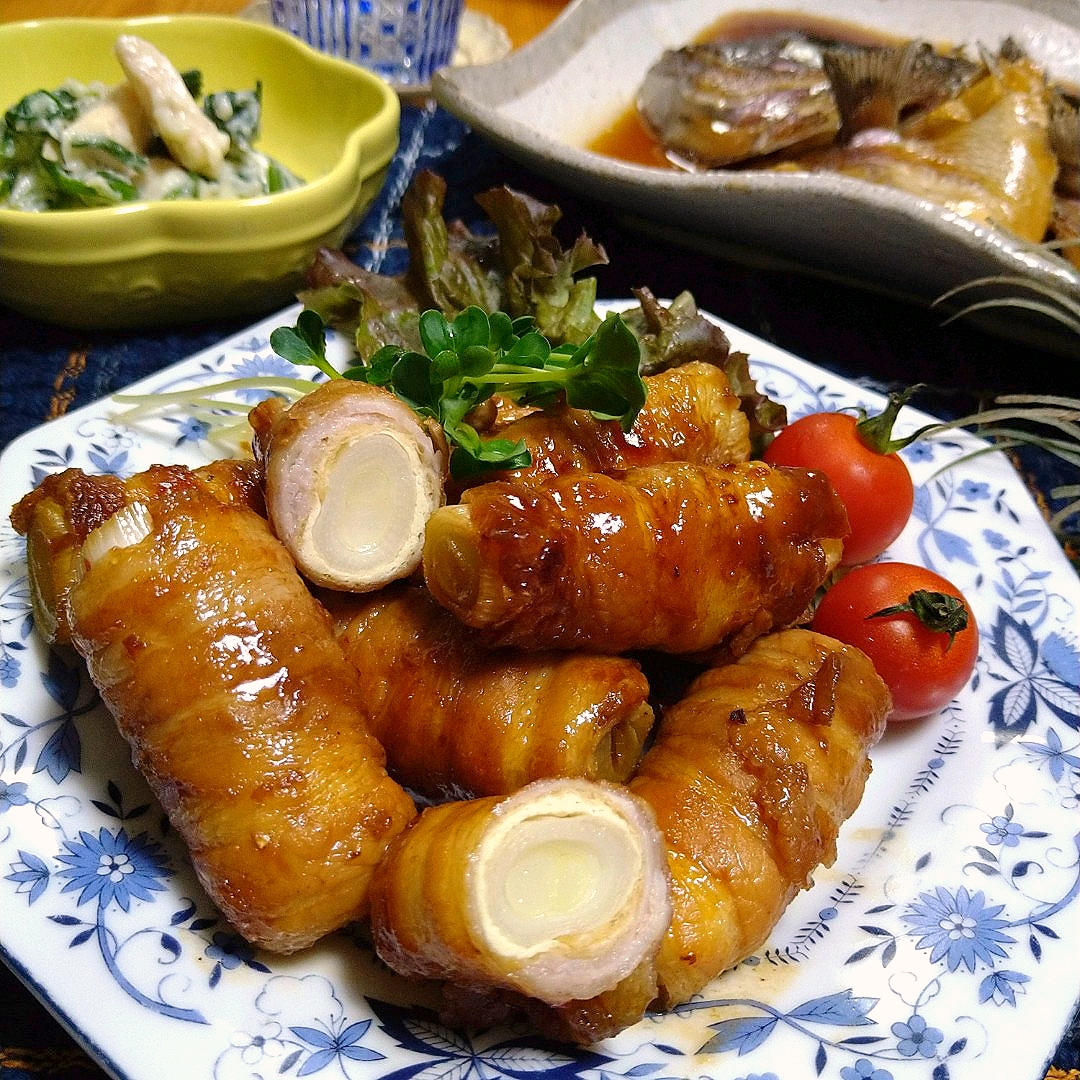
(404,41)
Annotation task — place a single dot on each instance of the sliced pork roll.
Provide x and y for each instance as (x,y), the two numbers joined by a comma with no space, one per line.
(690,413)
(240,707)
(751,776)
(677,557)
(351,474)
(457,719)
(556,893)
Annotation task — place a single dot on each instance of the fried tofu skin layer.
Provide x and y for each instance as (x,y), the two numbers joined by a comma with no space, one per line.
(751,776)
(457,719)
(240,708)
(677,557)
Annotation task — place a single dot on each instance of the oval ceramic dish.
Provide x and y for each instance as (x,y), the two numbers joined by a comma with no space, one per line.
(546,102)
(332,123)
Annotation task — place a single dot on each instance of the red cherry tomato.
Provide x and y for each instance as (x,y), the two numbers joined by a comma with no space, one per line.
(924,668)
(874,486)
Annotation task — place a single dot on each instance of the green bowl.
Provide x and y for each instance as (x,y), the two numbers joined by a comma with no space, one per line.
(153,263)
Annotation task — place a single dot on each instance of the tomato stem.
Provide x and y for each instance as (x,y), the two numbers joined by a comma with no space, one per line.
(877,431)
(938,612)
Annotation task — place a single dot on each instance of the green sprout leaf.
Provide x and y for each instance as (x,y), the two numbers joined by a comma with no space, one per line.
(467,359)
(304,343)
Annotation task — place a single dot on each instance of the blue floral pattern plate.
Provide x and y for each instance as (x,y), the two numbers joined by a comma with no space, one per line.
(941,944)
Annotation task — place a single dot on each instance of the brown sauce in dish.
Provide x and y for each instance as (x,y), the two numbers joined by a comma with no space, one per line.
(746,24)
(628,139)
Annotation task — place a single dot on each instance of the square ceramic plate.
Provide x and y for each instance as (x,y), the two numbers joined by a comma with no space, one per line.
(545,103)
(942,943)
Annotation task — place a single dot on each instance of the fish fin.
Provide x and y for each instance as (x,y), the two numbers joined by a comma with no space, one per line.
(1065,140)
(872,85)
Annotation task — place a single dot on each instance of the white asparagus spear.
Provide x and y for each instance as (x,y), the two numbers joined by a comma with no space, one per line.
(118,117)
(191,136)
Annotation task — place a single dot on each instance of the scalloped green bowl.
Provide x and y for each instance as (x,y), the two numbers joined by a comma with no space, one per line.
(152,263)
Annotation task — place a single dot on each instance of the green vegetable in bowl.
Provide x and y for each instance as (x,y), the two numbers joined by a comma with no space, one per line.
(148,138)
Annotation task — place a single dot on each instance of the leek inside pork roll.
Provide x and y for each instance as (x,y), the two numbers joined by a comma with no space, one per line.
(58,516)
(752,774)
(557,892)
(222,673)
(351,474)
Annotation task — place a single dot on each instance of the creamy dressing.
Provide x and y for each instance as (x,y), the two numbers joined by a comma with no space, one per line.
(87,144)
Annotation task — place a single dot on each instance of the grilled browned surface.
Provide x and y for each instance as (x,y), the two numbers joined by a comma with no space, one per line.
(690,413)
(751,776)
(677,557)
(458,719)
(241,710)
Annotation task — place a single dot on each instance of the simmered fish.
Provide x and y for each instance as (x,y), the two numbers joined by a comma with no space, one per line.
(985,155)
(1065,140)
(990,140)
(727,103)
(721,103)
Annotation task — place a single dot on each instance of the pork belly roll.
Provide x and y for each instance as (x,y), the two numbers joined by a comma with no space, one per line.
(351,474)
(580,1022)
(690,414)
(240,707)
(751,776)
(457,719)
(56,524)
(677,557)
(557,892)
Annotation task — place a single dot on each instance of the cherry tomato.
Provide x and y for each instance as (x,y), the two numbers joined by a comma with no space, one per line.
(924,667)
(872,481)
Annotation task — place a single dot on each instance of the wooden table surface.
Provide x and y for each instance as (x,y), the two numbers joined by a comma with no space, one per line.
(523,19)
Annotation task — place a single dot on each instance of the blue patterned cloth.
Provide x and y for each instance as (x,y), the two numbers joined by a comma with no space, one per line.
(883,343)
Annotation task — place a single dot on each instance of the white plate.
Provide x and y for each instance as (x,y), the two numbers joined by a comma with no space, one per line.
(942,943)
(544,103)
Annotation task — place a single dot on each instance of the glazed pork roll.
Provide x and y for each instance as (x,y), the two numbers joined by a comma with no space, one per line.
(558,892)
(240,707)
(578,1022)
(751,776)
(457,719)
(351,474)
(677,557)
(690,413)
(55,526)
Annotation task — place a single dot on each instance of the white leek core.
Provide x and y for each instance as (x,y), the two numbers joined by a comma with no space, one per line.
(352,475)
(550,877)
(567,888)
(370,504)
(130,525)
